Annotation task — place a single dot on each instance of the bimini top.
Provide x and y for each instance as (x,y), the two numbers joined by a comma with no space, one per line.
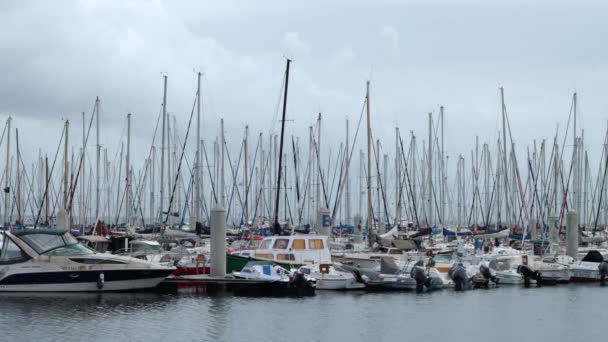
(47,231)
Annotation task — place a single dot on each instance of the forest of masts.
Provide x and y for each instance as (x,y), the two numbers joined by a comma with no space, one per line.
(417,183)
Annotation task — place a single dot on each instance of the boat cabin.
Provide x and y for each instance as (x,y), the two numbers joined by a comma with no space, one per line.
(295,248)
(25,244)
(96,242)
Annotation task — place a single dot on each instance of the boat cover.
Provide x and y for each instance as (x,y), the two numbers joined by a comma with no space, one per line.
(593,256)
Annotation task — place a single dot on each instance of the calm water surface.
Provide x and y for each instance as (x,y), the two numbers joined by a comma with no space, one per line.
(563,313)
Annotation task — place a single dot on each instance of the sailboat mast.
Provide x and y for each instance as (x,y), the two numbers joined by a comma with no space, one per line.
(222,148)
(83,182)
(397,179)
(18,190)
(128,174)
(98,157)
(504,155)
(346,178)
(429,176)
(246,177)
(66,168)
(442,171)
(370,215)
(162,151)
(318,168)
(7,174)
(197,171)
(277,226)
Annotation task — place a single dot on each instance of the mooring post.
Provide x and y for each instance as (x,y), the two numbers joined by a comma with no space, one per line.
(218,241)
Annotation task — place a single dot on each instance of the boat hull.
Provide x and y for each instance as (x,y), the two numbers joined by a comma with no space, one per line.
(83,281)
(339,283)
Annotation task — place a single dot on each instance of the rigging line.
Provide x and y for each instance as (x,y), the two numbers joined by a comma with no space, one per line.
(209,172)
(597,215)
(44,197)
(234,179)
(73,188)
(179,165)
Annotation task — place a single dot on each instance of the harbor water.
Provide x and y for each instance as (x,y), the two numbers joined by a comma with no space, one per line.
(508,313)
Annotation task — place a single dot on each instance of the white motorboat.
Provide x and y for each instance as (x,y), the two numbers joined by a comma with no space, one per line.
(52,260)
(269,279)
(585,270)
(329,278)
(263,272)
(550,268)
(506,269)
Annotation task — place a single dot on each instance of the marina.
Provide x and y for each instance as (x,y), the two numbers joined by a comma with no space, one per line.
(321,171)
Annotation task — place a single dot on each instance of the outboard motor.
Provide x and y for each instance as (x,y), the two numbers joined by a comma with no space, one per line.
(418,274)
(487,273)
(458,274)
(358,276)
(603,268)
(528,274)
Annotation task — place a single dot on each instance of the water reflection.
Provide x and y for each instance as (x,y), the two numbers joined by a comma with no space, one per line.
(561,313)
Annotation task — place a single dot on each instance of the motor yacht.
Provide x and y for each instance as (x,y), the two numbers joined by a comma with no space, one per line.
(52,260)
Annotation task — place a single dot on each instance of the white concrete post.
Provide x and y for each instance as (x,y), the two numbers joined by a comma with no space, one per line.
(218,241)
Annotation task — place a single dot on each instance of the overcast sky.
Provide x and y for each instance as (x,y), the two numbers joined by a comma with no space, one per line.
(57,56)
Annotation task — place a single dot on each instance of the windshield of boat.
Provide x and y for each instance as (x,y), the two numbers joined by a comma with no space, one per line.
(442,258)
(55,244)
(144,247)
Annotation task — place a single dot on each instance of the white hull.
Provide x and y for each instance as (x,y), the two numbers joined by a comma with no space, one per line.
(339,284)
(122,285)
(510,278)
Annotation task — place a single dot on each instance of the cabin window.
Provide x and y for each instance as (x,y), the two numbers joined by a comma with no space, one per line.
(281,244)
(43,242)
(298,244)
(11,253)
(264,256)
(286,257)
(265,244)
(316,244)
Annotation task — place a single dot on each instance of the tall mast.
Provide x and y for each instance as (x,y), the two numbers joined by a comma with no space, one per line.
(246,177)
(397,179)
(98,157)
(152,184)
(277,226)
(7,174)
(18,190)
(378,180)
(162,151)
(46,184)
(318,168)
(575,187)
(346,176)
(222,184)
(197,170)
(429,176)
(370,215)
(442,171)
(66,168)
(128,174)
(504,154)
(83,181)
(413,154)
